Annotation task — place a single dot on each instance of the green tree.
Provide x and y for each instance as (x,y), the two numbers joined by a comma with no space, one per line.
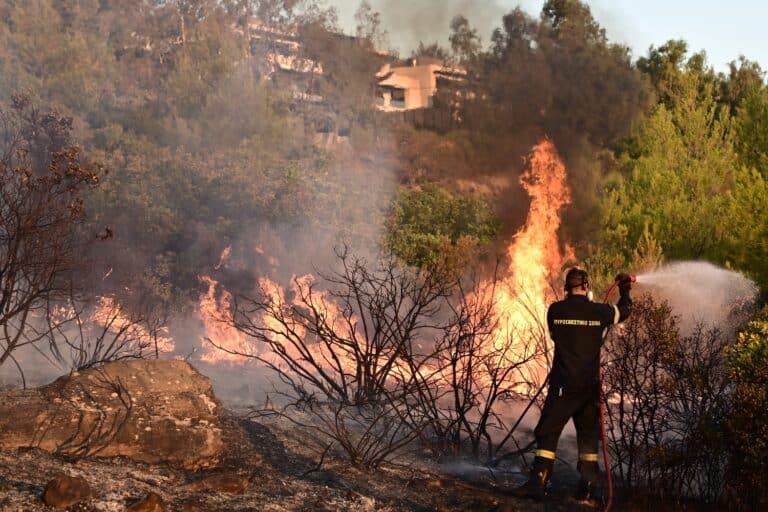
(368,26)
(348,77)
(671,70)
(689,169)
(751,126)
(748,421)
(465,41)
(746,243)
(742,79)
(679,167)
(557,76)
(573,20)
(433,51)
(425,224)
(208,57)
(73,68)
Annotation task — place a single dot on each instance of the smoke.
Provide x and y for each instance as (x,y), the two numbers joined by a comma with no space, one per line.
(408,23)
(539,77)
(38,368)
(192,175)
(207,148)
(702,293)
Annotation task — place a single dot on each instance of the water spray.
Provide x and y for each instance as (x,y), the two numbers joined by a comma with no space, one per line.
(702,294)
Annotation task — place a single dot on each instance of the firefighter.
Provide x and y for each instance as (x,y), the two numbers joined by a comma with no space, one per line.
(576,325)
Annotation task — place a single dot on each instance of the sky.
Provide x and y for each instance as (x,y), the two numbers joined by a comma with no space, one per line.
(723,29)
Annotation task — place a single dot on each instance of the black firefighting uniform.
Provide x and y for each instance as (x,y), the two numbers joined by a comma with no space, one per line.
(576,325)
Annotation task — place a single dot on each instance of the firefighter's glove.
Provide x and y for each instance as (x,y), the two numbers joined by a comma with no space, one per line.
(625,283)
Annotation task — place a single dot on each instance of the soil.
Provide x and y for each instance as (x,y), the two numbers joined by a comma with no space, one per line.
(268,466)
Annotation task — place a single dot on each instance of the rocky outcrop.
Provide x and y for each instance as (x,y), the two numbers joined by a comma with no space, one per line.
(150,411)
(65,491)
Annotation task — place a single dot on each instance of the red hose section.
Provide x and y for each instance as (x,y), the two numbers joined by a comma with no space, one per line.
(610,290)
(603,434)
(606,458)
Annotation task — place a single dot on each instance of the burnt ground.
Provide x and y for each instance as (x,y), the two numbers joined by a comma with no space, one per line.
(276,471)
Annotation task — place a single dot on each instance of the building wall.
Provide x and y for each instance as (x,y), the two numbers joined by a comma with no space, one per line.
(420,83)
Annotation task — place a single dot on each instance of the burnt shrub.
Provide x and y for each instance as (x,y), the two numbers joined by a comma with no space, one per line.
(666,400)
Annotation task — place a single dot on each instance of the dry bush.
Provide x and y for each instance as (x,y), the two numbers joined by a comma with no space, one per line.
(477,369)
(373,359)
(84,335)
(665,403)
(42,182)
(747,422)
(337,351)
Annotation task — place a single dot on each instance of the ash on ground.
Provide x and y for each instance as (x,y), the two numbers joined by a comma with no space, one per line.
(268,467)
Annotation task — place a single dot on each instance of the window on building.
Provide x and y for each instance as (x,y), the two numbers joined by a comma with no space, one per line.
(398,98)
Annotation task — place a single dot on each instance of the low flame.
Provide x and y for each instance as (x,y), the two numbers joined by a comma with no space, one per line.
(215,313)
(225,255)
(110,315)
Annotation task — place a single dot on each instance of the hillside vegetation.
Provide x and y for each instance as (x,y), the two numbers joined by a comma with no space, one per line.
(143,142)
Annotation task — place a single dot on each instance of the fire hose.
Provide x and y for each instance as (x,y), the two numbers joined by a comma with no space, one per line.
(603,433)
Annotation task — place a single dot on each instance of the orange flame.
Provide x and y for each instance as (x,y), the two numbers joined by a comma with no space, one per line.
(534,255)
(225,255)
(216,315)
(111,315)
(520,300)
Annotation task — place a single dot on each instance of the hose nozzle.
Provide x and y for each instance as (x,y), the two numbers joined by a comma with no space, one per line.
(623,278)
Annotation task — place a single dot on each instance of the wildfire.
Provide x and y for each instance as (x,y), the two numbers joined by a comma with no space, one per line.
(520,299)
(328,314)
(110,315)
(215,313)
(534,255)
(225,255)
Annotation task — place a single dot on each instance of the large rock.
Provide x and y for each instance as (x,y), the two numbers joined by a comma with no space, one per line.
(64,491)
(150,411)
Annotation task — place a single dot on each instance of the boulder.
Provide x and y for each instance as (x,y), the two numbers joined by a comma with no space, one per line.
(150,411)
(65,491)
(152,503)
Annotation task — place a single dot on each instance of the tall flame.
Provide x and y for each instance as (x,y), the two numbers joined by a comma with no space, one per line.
(534,255)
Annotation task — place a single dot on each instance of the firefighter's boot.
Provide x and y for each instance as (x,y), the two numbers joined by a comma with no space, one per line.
(588,491)
(535,487)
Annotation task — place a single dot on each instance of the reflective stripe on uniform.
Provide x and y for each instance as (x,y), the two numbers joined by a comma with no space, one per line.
(588,457)
(616,314)
(545,454)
